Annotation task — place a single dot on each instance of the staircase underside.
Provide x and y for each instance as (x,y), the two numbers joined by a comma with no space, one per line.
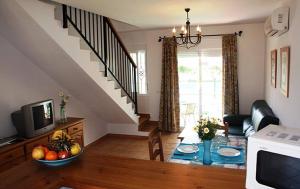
(60,56)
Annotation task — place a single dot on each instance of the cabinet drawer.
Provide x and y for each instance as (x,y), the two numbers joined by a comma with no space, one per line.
(75,128)
(31,145)
(11,155)
(78,137)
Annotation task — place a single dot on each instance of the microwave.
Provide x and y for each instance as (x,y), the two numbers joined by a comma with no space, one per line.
(273,158)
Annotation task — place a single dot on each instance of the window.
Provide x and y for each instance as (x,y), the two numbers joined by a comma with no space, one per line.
(139,57)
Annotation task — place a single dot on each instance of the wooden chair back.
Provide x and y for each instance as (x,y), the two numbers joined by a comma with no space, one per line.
(224,127)
(155,145)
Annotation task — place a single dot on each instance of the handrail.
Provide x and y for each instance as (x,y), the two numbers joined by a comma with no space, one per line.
(119,38)
(102,38)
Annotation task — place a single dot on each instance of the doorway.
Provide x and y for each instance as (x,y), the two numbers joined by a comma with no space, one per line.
(200,84)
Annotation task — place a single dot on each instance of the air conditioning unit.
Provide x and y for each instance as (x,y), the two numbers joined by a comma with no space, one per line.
(278,22)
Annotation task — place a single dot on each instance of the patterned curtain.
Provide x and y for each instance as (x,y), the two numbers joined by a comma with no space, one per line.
(230,74)
(169,97)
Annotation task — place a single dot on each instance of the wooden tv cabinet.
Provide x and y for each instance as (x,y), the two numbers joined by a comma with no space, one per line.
(14,154)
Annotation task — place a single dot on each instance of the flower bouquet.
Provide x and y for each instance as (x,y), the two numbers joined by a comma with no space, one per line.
(206,129)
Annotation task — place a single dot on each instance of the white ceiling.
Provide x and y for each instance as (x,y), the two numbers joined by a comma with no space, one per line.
(147,14)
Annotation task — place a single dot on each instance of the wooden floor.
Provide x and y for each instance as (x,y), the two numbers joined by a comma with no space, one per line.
(133,147)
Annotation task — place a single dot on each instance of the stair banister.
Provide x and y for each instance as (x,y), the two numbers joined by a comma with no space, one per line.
(102,38)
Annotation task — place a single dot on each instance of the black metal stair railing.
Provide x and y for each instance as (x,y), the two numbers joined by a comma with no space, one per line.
(102,38)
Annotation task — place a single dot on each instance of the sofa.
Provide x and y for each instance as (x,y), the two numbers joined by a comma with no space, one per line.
(246,125)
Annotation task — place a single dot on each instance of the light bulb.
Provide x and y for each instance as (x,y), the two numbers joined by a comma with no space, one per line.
(182,28)
(185,31)
(174,31)
(199,29)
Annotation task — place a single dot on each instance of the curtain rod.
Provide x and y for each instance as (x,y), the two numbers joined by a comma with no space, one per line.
(239,33)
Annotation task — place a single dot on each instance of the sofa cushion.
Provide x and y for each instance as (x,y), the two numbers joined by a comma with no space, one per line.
(236,130)
(235,119)
(250,131)
(262,115)
(246,124)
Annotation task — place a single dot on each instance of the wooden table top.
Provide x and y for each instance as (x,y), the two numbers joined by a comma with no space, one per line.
(93,171)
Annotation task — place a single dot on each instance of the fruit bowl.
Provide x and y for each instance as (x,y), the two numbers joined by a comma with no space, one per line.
(60,150)
(60,162)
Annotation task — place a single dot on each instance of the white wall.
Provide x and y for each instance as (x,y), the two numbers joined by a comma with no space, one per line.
(287,109)
(22,82)
(251,49)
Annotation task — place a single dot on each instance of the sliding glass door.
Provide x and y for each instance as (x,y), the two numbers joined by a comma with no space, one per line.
(189,88)
(211,82)
(200,84)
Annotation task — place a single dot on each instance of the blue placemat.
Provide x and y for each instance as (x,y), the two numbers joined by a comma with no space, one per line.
(216,158)
(184,156)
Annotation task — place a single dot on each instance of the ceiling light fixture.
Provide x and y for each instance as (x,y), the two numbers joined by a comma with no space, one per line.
(185,39)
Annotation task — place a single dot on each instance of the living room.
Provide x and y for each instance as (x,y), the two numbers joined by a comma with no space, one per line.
(41,59)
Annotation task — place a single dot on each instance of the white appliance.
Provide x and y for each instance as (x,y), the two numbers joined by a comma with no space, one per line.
(273,158)
(278,22)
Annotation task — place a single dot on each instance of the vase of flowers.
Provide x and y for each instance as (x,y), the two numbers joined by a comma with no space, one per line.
(63,102)
(206,129)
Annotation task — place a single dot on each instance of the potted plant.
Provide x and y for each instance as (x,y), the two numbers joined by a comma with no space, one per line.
(206,129)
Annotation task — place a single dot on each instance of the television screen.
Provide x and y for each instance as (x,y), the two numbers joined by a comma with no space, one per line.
(42,115)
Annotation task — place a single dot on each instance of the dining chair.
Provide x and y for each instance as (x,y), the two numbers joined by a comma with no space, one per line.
(155,145)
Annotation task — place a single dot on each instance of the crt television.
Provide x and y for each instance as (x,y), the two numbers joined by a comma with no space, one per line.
(34,119)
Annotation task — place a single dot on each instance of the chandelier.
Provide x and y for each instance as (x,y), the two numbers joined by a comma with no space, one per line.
(185,39)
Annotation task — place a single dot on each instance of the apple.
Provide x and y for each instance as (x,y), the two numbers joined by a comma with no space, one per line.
(38,153)
(63,155)
(46,150)
(75,149)
(51,155)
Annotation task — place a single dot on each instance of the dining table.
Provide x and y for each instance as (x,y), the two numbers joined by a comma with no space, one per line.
(189,137)
(96,171)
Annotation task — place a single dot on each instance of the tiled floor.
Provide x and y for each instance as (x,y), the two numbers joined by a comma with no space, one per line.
(134,147)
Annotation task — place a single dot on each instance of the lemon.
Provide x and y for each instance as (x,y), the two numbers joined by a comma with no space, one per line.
(75,149)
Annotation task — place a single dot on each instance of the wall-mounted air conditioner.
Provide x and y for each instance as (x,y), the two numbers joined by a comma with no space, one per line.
(278,22)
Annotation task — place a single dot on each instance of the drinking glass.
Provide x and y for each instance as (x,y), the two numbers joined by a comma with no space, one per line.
(196,154)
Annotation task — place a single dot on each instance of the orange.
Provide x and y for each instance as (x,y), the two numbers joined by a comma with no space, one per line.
(51,155)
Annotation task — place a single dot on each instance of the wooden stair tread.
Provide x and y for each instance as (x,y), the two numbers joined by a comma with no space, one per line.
(143,117)
(145,125)
(148,128)
(143,120)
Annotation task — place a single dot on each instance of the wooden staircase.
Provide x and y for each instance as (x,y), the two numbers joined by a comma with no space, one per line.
(145,124)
